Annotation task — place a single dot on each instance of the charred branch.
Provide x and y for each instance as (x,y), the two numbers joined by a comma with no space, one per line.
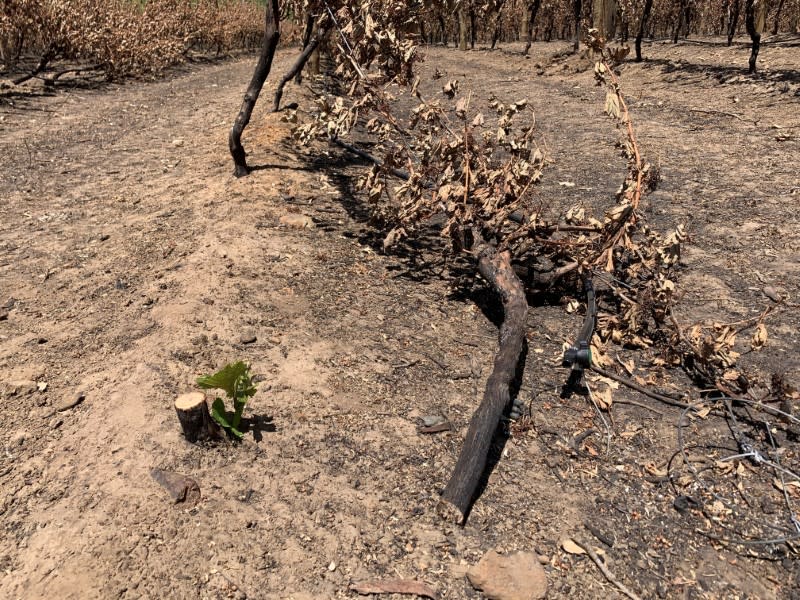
(307,33)
(297,67)
(48,55)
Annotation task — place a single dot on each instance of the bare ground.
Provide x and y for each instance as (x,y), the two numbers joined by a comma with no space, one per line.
(131,261)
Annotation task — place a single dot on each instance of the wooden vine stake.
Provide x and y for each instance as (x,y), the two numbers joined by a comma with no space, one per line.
(457,497)
(195,419)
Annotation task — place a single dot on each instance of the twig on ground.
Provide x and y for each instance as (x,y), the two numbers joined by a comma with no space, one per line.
(602,418)
(608,541)
(604,570)
(721,112)
(635,386)
(640,405)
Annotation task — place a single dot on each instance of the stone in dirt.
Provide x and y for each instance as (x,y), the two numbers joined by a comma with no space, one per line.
(248,337)
(70,401)
(511,577)
(296,221)
(22,387)
(180,487)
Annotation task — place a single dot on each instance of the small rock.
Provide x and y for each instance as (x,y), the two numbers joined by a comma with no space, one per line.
(297,221)
(70,401)
(21,387)
(104,237)
(248,337)
(177,142)
(332,567)
(513,577)
(55,423)
(771,293)
(431,420)
(148,301)
(180,487)
(3,315)
(18,439)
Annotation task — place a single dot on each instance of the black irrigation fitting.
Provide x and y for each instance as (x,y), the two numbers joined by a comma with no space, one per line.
(578,357)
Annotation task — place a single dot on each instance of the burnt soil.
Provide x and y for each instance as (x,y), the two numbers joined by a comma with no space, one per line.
(131,261)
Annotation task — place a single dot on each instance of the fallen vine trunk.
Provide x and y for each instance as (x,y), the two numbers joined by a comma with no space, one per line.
(457,497)
(297,67)
(271,37)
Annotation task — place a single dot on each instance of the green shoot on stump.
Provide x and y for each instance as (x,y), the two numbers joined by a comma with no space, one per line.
(235,380)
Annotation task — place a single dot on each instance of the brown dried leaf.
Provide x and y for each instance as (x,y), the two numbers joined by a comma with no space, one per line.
(655,470)
(790,487)
(571,547)
(759,337)
(604,398)
(572,306)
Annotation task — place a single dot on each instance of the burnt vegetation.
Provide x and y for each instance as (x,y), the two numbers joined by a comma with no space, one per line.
(465,172)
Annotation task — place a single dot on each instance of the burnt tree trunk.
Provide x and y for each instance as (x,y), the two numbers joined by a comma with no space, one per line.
(271,37)
(472,30)
(777,24)
(195,419)
(307,32)
(497,19)
(733,23)
(687,19)
(754,20)
(297,67)
(603,17)
(533,8)
(457,497)
(678,22)
(462,28)
(577,9)
(648,7)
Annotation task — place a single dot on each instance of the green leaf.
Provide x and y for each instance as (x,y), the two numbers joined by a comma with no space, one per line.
(233,378)
(224,379)
(218,413)
(238,409)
